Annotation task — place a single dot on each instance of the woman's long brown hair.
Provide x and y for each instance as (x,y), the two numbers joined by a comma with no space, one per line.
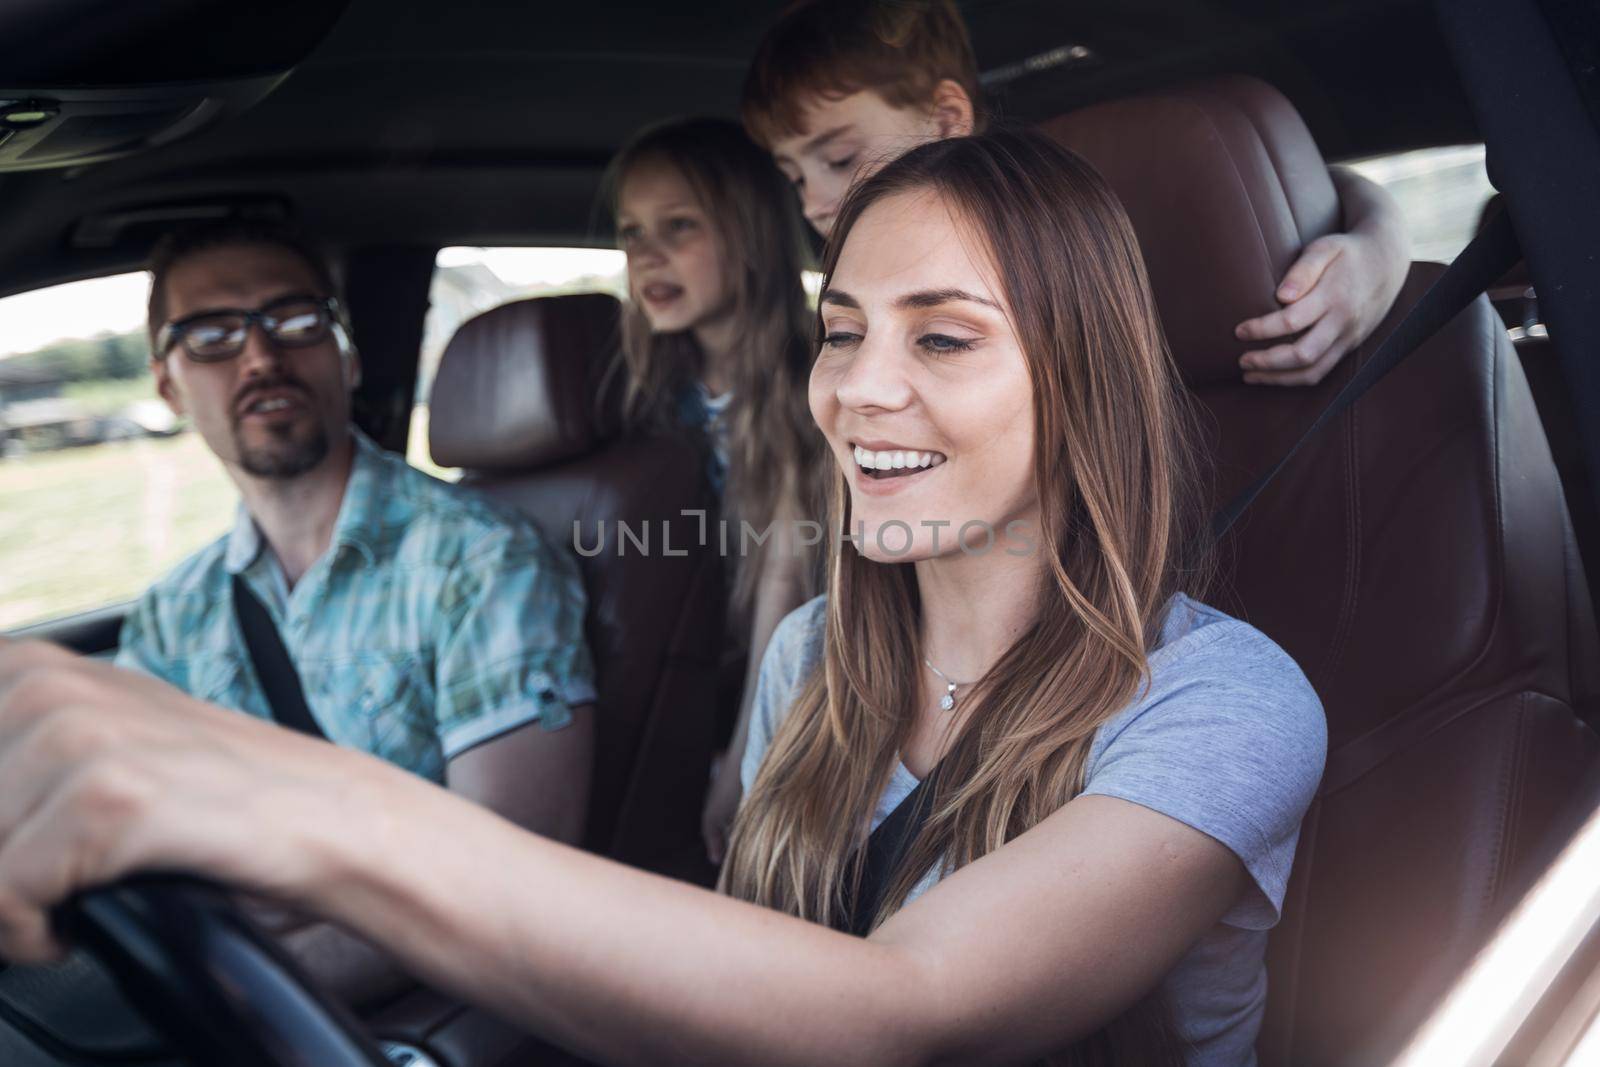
(774,448)
(1114,481)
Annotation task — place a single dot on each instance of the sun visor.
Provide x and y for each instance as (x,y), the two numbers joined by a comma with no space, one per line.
(87,80)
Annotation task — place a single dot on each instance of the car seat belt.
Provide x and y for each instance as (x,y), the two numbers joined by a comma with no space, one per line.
(886,847)
(274,669)
(1490,254)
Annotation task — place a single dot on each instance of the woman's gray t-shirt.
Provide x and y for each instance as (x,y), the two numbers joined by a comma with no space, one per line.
(1228,738)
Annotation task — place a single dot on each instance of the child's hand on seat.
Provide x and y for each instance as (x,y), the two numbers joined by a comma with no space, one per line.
(1335,295)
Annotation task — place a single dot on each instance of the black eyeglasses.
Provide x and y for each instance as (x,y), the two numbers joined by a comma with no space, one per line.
(214,336)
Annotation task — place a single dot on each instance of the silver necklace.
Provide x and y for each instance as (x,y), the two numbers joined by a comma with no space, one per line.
(947,701)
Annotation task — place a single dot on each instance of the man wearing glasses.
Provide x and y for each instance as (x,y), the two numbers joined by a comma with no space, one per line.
(410,618)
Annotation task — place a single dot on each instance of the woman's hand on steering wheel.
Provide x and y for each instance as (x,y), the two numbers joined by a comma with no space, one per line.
(108,772)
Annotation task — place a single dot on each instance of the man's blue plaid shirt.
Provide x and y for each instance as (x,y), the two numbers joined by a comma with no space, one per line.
(435,621)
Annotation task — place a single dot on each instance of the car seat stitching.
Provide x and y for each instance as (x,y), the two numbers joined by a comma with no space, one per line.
(1524,757)
(1502,823)
(1497,570)
(1352,577)
(1344,771)
(1497,576)
(1307,847)
(1239,185)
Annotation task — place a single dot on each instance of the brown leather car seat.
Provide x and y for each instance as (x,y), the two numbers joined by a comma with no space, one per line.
(515,405)
(1415,559)
(1514,298)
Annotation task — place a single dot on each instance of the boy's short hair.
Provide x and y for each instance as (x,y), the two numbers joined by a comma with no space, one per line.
(899,49)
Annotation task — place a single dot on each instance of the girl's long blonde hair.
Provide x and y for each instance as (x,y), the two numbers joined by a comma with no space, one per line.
(1112,472)
(774,448)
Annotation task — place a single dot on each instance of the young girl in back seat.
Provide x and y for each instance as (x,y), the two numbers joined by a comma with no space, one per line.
(717,339)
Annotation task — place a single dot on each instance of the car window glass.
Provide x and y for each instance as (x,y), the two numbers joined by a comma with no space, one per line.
(102,489)
(1441,193)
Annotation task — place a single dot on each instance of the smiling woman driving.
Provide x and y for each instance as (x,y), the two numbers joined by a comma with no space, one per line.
(1115,773)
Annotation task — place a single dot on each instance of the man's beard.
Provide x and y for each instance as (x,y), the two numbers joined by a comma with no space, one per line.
(286,457)
(284,454)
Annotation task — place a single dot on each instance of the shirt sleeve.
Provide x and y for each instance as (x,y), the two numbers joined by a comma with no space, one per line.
(1231,743)
(140,646)
(512,651)
(792,654)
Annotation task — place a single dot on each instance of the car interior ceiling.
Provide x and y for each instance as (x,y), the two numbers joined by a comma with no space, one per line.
(483,123)
(405,127)
(410,126)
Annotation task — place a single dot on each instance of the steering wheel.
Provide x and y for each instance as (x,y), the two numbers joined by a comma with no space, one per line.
(218,987)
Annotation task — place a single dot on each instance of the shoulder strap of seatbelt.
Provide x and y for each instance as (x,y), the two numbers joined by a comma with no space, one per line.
(274,669)
(886,847)
(1493,252)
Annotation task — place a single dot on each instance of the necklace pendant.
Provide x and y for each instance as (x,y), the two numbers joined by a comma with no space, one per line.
(948,701)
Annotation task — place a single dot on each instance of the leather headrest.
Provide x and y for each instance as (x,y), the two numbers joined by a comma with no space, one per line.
(1225,187)
(517,387)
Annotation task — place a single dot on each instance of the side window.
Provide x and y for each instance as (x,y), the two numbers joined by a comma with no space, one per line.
(103,489)
(468,281)
(1441,192)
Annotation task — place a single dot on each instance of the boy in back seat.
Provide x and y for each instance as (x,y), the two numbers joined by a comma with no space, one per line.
(840,87)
